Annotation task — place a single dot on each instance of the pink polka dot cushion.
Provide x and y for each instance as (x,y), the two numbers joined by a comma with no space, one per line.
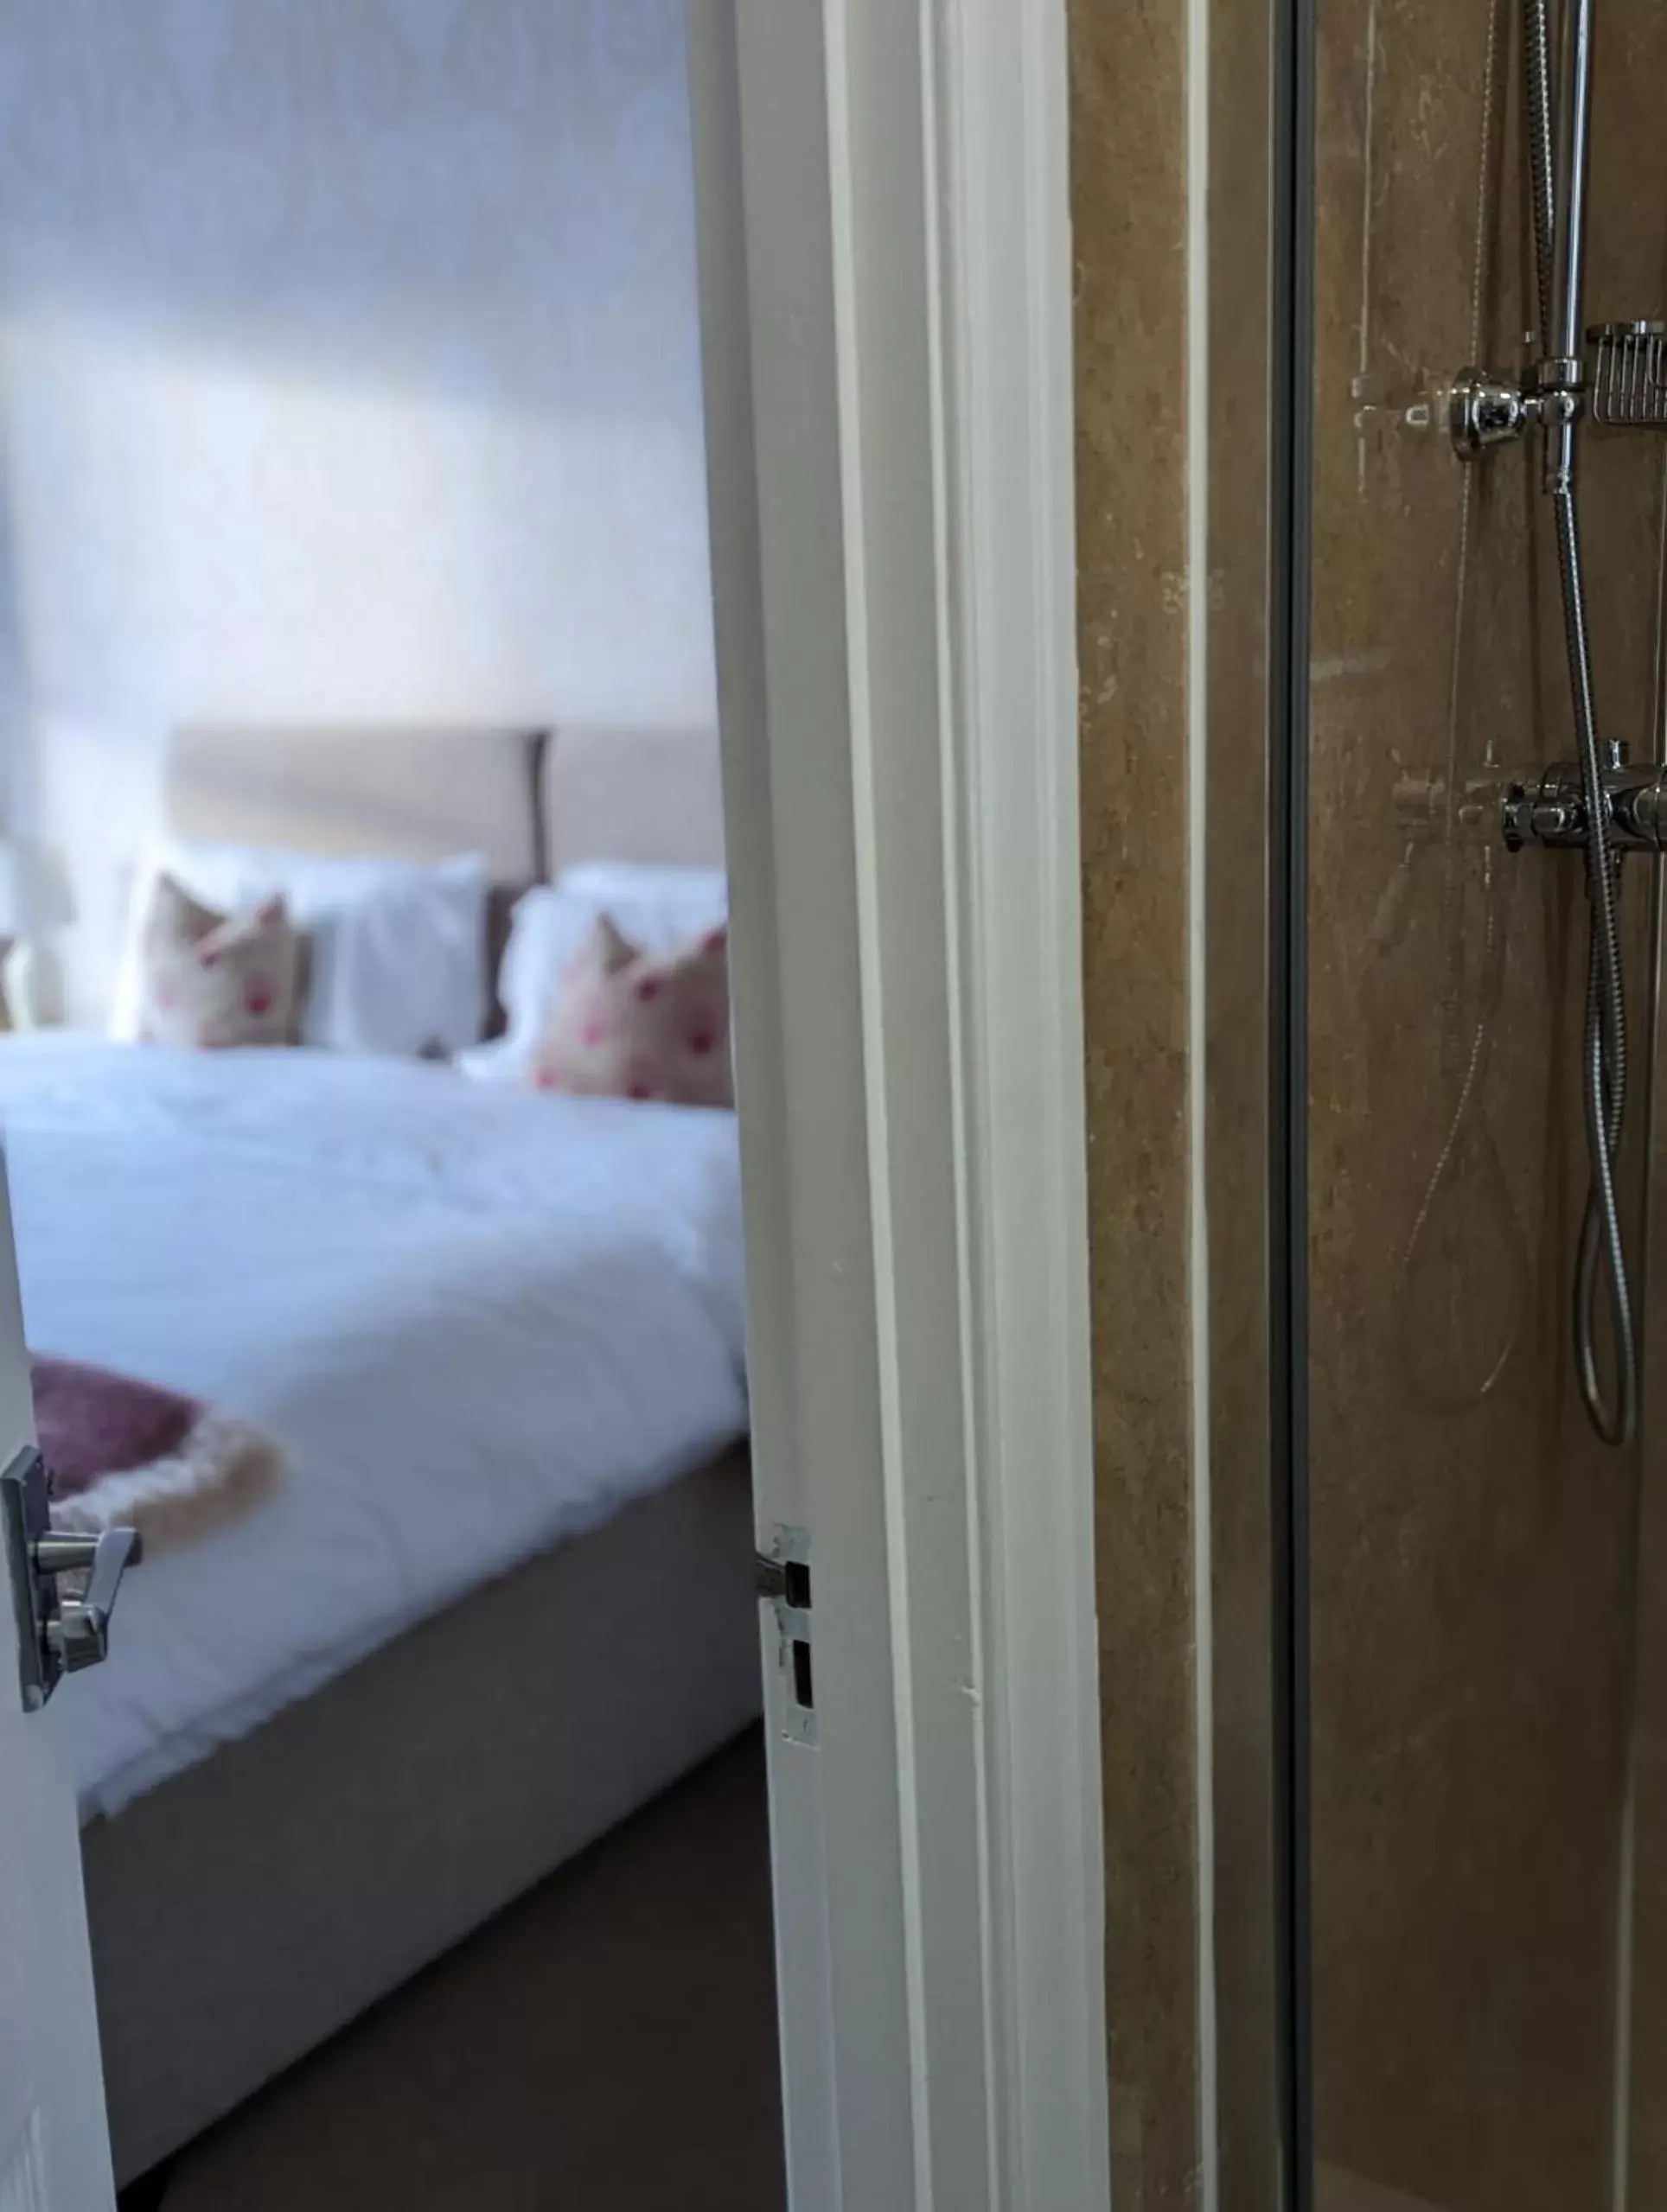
(631,1024)
(212,980)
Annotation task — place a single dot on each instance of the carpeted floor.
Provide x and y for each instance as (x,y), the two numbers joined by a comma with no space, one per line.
(487,2083)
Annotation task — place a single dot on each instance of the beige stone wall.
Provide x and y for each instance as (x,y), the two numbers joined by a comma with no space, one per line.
(1129,93)
(1472,1546)
(1473,1551)
(1127,66)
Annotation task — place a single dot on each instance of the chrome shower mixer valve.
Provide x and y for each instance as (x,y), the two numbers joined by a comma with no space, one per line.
(1550,809)
(1539,807)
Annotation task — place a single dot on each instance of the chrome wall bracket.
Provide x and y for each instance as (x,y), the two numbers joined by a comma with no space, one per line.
(1624,390)
(1485,410)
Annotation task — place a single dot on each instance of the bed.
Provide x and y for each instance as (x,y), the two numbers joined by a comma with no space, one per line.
(504,1596)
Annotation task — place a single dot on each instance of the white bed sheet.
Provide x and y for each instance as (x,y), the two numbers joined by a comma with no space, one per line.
(477,1320)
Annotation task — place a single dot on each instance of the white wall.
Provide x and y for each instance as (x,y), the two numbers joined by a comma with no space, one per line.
(350,369)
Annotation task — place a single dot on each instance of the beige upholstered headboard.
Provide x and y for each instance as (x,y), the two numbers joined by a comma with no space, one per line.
(410,793)
(531,804)
(643,795)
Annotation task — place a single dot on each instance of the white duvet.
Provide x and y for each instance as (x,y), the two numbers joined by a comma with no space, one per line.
(478,1320)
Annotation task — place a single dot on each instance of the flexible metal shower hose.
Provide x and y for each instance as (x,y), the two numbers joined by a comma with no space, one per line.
(1601,1257)
(1601,1250)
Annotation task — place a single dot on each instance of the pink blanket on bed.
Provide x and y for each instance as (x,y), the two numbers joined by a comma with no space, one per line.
(124,1453)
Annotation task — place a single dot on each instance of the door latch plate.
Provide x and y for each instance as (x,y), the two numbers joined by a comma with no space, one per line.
(783,1580)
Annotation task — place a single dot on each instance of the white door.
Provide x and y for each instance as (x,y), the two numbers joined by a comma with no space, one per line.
(885,257)
(778,559)
(55,2149)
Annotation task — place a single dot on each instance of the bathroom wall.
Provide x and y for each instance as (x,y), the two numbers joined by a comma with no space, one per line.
(1644,2009)
(1630,181)
(1127,69)
(1486,1979)
(1173,474)
(1473,1547)
(349,368)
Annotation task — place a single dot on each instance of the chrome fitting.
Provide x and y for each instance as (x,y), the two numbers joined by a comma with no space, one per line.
(1552,812)
(1485,410)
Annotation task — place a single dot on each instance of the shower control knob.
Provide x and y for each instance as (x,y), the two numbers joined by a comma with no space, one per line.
(1485,410)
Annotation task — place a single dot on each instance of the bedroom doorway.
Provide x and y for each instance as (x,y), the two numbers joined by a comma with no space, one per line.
(367,1092)
(391,1007)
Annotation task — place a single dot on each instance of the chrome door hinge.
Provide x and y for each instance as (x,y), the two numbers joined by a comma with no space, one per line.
(59,1631)
(783,1578)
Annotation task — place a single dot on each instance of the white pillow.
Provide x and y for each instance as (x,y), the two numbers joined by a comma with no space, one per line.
(398,949)
(657,908)
(655,904)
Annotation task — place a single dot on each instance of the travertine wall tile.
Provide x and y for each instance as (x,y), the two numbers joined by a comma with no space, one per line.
(1129,178)
(1472,1545)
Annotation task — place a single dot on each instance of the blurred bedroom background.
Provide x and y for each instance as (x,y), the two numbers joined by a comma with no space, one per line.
(351,373)
(366,1094)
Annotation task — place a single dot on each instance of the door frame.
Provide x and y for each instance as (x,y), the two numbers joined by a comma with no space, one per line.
(886,299)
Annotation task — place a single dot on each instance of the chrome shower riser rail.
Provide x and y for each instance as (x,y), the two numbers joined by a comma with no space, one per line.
(1594,804)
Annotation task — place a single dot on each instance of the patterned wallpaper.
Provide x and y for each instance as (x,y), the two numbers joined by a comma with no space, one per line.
(350,369)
